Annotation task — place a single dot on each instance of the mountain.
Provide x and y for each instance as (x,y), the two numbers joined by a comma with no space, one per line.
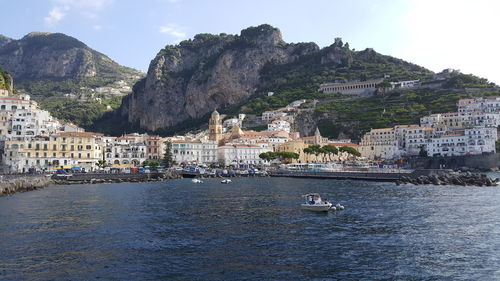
(62,72)
(4,40)
(187,81)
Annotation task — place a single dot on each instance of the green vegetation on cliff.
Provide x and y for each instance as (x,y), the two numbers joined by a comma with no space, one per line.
(301,79)
(5,79)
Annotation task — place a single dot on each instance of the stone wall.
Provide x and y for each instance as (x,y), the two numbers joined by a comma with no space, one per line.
(473,162)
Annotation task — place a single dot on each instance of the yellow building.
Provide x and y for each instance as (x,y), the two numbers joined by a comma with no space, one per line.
(63,150)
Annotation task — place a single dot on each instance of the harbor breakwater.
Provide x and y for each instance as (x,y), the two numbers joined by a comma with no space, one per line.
(94,178)
(419,176)
(11,185)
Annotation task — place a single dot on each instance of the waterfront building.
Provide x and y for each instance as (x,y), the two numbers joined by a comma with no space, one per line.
(351,88)
(120,154)
(448,145)
(63,150)
(481,140)
(237,154)
(34,154)
(380,144)
(417,139)
(194,151)
(154,148)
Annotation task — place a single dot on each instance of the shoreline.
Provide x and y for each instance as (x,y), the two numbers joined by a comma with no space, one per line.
(24,183)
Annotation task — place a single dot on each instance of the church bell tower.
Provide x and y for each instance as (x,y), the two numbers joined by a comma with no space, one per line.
(215,127)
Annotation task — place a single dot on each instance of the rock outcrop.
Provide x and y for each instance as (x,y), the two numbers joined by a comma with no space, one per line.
(191,79)
(55,56)
(23,184)
(463,179)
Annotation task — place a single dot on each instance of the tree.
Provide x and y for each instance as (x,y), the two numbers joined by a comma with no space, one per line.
(266,156)
(154,164)
(101,164)
(168,159)
(286,156)
(350,150)
(330,150)
(422,152)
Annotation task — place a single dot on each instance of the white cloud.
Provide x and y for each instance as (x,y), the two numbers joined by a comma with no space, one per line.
(87,8)
(174,31)
(85,4)
(55,15)
(97,27)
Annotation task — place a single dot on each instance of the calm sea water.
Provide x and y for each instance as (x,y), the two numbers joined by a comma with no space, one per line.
(252,229)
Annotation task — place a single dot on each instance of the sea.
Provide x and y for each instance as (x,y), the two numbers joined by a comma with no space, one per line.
(251,229)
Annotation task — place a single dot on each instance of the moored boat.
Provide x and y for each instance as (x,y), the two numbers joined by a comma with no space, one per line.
(225,181)
(315,203)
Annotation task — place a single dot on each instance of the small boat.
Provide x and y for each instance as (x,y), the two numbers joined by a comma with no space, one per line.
(225,181)
(315,203)
(197,181)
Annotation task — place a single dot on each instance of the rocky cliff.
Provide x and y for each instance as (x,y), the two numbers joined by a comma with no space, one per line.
(209,72)
(55,56)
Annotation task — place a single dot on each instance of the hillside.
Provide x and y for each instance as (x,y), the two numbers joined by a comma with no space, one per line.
(63,73)
(233,73)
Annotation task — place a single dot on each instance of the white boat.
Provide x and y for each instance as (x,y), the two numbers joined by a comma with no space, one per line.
(197,181)
(225,181)
(314,203)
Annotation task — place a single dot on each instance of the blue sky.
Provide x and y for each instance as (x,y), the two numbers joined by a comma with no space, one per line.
(436,34)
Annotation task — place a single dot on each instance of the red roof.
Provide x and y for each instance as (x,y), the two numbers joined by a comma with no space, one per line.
(343,144)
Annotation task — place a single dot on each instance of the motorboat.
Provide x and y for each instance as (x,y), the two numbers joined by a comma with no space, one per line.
(315,203)
(197,181)
(225,181)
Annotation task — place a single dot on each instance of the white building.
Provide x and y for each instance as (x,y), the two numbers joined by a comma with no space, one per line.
(448,145)
(405,84)
(472,142)
(481,140)
(27,123)
(417,139)
(380,144)
(119,153)
(194,152)
(236,154)
(228,123)
(484,105)
(268,116)
(278,126)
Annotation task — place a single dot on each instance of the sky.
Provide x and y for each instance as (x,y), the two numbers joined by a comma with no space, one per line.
(436,34)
